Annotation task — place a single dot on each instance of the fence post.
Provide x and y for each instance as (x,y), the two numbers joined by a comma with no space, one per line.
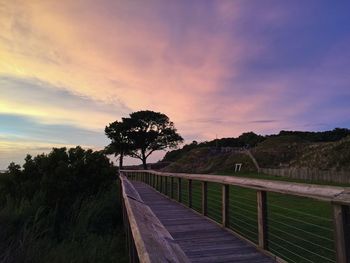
(262,219)
(225,204)
(166,185)
(341,215)
(190,193)
(179,190)
(161,184)
(204,198)
(172,187)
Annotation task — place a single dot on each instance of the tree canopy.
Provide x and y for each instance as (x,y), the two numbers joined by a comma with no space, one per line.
(142,133)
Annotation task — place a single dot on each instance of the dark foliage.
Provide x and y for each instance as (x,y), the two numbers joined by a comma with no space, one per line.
(141,134)
(64,202)
(325,136)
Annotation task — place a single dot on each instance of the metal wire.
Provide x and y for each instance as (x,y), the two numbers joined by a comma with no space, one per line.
(303,222)
(291,252)
(245,204)
(213,199)
(214,191)
(247,224)
(302,230)
(299,212)
(234,215)
(241,227)
(302,239)
(245,210)
(308,251)
(253,200)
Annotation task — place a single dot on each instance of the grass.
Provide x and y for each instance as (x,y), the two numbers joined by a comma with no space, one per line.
(299,229)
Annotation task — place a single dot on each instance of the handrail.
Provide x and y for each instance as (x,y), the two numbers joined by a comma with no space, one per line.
(319,192)
(148,240)
(338,197)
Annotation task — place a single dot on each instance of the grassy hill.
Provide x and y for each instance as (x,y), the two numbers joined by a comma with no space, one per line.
(209,160)
(329,150)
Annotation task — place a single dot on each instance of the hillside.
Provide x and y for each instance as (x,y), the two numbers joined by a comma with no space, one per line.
(329,150)
(325,156)
(210,160)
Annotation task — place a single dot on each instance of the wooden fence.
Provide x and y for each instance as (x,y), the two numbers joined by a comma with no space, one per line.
(306,173)
(338,198)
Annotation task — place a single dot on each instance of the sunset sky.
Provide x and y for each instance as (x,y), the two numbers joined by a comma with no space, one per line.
(68,68)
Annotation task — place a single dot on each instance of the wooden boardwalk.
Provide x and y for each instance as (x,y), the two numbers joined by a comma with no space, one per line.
(200,239)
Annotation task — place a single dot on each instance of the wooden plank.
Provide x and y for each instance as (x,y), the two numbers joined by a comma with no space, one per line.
(262,219)
(341,215)
(319,192)
(225,205)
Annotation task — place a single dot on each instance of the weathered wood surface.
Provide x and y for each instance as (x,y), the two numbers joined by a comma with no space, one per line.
(320,192)
(152,240)
(200,239)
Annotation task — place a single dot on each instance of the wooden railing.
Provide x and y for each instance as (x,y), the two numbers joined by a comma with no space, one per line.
(287,233)
(147,239)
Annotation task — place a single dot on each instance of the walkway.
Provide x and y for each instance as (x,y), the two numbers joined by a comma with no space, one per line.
(200,239)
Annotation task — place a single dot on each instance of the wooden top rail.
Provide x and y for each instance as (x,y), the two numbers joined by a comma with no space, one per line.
(334,194)
(152,241)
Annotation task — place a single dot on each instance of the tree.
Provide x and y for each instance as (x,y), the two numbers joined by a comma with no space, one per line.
(120,145)
(141,134)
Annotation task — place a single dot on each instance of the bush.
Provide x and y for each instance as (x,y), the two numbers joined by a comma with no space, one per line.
(61,207)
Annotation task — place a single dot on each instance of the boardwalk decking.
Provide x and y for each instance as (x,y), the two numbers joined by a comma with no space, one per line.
(200,239)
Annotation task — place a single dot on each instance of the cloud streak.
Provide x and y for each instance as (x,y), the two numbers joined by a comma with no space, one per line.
(214,67)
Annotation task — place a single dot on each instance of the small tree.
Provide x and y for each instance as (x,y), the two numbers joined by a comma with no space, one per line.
(120,144)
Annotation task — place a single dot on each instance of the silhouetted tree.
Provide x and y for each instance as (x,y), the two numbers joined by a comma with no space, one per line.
(141,134)
(120,143)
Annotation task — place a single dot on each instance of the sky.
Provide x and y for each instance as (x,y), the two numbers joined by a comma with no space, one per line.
(216,68)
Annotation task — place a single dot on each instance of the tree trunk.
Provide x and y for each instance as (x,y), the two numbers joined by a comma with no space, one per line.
(144,160)
(144,164)
(121,161)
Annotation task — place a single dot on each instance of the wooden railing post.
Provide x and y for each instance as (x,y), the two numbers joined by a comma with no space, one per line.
(341,215)
(190,193)
(225,204)
(179,189)
(262,219)
(172,187)
(161,184)
(204,198)
(166,185)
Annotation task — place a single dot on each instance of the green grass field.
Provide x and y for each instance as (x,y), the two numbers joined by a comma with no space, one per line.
(299,229)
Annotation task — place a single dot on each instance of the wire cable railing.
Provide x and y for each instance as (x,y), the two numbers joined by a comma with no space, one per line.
(296,228)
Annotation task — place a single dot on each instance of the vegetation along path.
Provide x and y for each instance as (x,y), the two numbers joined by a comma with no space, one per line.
(200,239)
